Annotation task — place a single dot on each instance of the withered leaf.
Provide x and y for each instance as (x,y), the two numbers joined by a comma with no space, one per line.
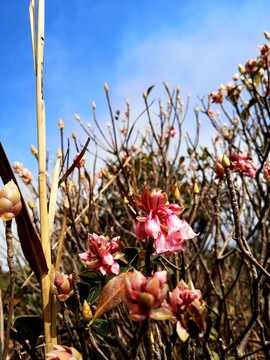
(29,239)
(111,295)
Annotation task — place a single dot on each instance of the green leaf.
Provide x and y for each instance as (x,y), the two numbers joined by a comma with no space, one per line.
(102,326)
(91,277)
(149,89)
(214,356)
(257,81)
(94,294)
(30,326)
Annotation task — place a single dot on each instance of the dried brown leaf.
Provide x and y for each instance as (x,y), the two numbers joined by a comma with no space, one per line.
(30,242)
(111,295)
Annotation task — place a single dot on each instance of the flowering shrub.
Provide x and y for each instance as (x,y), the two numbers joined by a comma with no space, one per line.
(115,305)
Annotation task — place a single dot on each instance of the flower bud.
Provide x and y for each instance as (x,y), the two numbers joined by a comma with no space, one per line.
(86,312)
(31,204)
(61,285)
(10,201)
(241,69)
(127,102)
(144,95)
(106,87)
(63,353)
(196,189)
(178,89)
(235,76)
(59,153)
(225,161)
(267,35)
(60,124)
(73,134)
(93,105)
(34,150)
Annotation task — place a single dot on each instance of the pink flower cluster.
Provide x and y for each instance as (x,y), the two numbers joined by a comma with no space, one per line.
(217,97)
(61,285)
(186,308)
(172,131)
(143,295)
(102,254)
(242,163)
(251,66)
(161,223)
(24,174)
(237,163)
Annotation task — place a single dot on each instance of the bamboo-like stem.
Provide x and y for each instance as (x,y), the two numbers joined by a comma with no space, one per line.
(10,259)
(42,177)
(61,241)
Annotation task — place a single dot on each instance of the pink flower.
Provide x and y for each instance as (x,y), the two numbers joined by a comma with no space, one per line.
(102,254)
(241,163)
(264,51)
(172,132)
(63,353)
(81,162)
(143,295)
(266,171)
(24,174)
(134,148)
(124,131)
(251,66)
(216,97)
(186,307)
(61,285)
(161,223)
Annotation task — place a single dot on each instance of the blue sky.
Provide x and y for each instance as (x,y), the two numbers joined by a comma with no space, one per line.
(128,44)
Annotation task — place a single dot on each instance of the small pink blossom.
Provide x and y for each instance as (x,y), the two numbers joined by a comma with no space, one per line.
(251,66)
(172,131)
(61,285)
(24,174)
(143,295)
(161,223)
(81,162)
(266,171)
(241,163)
(61,352)
(186,308)
(134,148)
(102,254)
(124,131)
(216,97)
(264,51)
(211,113)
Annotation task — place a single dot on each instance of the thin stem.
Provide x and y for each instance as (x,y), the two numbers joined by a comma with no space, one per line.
(10,260)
